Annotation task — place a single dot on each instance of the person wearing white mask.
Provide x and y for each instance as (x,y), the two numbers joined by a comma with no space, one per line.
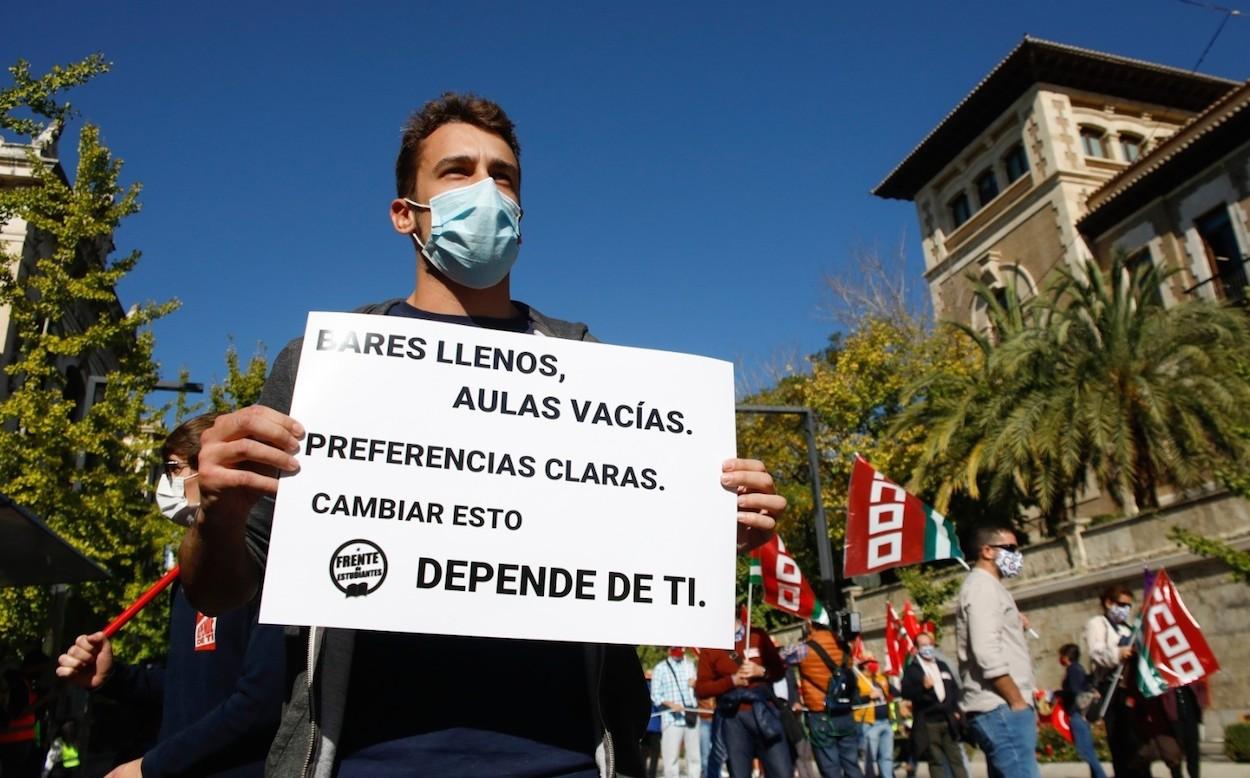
(1108,644)
(930,685)
(220,691)
(994,661)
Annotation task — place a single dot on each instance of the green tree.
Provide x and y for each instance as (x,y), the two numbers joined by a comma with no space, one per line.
(855,389)
(84,473)
(1238,561)
(1093,378)
(241,386)
(81,469)
(930,590)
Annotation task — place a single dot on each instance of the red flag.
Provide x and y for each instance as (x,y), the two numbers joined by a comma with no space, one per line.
(784,586)
(909,620)
(1059,719)
(887,527)
(857,649)
(1176,652)
(898,644)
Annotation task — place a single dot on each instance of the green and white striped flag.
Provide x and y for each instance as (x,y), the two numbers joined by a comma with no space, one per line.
(756,575)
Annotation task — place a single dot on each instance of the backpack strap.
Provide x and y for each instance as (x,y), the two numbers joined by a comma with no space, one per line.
(824,656)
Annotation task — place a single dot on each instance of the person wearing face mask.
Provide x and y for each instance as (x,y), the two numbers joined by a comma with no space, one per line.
(457,209)
(671,682)
(220,690)
(994,661)
(1108,644)
(930,685)
(746,720)
(876,730)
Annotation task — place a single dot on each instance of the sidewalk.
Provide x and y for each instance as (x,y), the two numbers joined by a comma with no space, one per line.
(1079,770)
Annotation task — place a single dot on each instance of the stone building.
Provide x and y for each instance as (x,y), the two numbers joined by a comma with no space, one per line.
(1007,185)
(21,245)
(1060,155)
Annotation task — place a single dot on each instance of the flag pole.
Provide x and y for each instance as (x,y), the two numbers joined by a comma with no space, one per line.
(746,646)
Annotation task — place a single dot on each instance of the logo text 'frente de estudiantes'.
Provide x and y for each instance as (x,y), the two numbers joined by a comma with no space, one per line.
(358,567)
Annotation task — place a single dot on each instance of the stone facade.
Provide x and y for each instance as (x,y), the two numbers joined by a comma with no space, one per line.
(1062,579)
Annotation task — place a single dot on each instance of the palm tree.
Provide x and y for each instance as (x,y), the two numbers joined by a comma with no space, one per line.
(1094,378)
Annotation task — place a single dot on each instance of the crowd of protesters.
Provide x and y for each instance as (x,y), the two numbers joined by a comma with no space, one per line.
(238,698)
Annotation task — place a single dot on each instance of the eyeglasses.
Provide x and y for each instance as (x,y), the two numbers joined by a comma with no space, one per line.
(173,467)
(1012,547)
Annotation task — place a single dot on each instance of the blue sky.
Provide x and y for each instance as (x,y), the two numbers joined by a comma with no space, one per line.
(693,171)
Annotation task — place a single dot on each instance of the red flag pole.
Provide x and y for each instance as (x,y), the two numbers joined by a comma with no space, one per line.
(116,624)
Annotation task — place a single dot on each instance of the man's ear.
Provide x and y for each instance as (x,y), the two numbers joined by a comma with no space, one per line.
(403,217)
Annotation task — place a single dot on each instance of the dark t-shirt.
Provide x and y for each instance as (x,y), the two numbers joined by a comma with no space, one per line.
(449,706)
(1075,681)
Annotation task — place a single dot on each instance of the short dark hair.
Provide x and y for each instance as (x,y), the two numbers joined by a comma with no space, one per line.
(1114,592)
(985,536)
(185,439)
(450,107)
(1070,652)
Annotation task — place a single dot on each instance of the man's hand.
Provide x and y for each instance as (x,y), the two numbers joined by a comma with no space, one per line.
(1126,652)
(1021,706)
(759,505)
(88,662)
(133,769)
(240,456)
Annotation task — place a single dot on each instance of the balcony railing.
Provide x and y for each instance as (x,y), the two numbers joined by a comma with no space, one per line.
(1230,284)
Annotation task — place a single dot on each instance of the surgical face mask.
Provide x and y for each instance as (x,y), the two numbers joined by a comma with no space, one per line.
(928,652)
(1118,613)
(171,498)
(475,233)
(1010,563)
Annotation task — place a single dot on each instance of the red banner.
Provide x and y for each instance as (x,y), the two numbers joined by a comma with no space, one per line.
(1059,719)
(910,623)
(898,645)
(784,586)
(887,527)
(1178,651)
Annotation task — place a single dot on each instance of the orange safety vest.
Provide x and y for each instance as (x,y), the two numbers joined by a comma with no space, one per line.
(21,728)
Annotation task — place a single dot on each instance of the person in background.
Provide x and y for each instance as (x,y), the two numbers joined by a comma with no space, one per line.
(829,691)
(874,717)
(1108,644)
(651,738)
(741,681)
(670,689)
(63,760)
(222,687)
(994,660)
(929,684)
(1077,690)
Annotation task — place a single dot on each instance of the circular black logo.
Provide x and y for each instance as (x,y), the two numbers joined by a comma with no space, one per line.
(358,567)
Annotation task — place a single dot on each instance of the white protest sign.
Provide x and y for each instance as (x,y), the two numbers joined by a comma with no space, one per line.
(464,481)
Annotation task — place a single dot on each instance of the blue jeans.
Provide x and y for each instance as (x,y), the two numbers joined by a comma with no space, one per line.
(835,747)
(744,742)
(1083,739)
(1009,740)
(705,747)
(879,740)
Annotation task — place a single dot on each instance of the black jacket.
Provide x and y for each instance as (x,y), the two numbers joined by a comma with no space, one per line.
(925,704)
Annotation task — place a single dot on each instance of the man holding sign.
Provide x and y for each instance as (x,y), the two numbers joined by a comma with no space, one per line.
(414,702)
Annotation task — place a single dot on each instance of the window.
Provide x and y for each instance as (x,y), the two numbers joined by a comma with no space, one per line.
(1130,146)
(1093,140)
(959,208)
(1137,264)
(987,187)
(1016,162)
(1228,270)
